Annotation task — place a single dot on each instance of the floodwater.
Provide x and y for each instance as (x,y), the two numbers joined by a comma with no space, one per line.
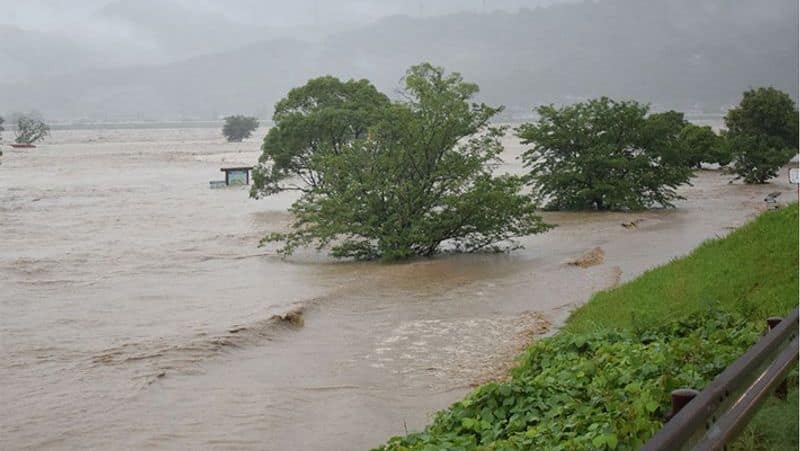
(136,310)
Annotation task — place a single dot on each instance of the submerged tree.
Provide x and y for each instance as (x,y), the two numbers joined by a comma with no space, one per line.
(762,133)
(416,182)
(238,128)
(326,115)
(699,144)
(665,130)
(685,143)
(31,130)
(604,155)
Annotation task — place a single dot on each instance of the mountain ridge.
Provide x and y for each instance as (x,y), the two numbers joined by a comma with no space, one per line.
(674,54)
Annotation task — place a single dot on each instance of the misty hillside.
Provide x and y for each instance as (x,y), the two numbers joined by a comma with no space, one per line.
(176,29)
(674,53)
(24,54)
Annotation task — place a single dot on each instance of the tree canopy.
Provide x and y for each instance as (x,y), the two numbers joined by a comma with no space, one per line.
(605,155)
(396,180)
(238,128)
(31,130)
(326,115)
(762,133)
(699,144)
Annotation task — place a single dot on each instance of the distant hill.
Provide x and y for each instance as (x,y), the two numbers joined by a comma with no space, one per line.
(173,29)
(244,80)
(671,52)
(688,54)
(26,54)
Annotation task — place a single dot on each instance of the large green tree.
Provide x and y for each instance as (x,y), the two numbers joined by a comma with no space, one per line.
(762,133)
(324,116)
(605,155)
(419,181)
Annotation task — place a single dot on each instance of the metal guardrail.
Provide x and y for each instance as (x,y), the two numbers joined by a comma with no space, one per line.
(711,419)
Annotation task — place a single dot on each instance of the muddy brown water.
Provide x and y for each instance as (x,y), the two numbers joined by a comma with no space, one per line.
(136,310)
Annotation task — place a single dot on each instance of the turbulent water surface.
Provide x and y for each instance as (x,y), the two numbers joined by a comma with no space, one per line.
(136,310)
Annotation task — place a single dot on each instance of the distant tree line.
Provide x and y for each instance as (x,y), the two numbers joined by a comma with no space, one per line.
(396,179)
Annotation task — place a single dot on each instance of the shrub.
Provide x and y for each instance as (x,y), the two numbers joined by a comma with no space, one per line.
(238,128)
(31,130)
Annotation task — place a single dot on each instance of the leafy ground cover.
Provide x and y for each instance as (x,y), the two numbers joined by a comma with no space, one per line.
(604,381)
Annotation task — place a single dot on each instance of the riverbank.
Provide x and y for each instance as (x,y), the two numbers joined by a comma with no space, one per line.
(136,309)
(604,380)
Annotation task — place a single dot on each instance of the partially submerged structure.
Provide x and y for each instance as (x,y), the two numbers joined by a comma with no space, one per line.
(237,176)
(233,177)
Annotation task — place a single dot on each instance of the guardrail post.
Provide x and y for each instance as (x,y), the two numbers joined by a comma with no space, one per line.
(782,390)
(680,398)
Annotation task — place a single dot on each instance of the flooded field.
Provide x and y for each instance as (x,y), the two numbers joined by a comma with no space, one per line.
(137,312)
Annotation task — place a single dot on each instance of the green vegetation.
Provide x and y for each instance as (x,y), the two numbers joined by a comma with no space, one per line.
(324,116)
(603,382)
(31,130)
(775,427)
(753,271)
(699,144)
(604,390)
(238,128)
(762,133)
(604,155)
(395,180)
(609,155)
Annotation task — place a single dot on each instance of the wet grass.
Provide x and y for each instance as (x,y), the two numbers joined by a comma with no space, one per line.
(753,271)
(775,427)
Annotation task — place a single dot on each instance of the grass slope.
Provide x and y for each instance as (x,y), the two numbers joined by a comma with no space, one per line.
(603,382)
(752,271)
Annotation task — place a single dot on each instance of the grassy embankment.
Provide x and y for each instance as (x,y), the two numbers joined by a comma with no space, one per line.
(603,382)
